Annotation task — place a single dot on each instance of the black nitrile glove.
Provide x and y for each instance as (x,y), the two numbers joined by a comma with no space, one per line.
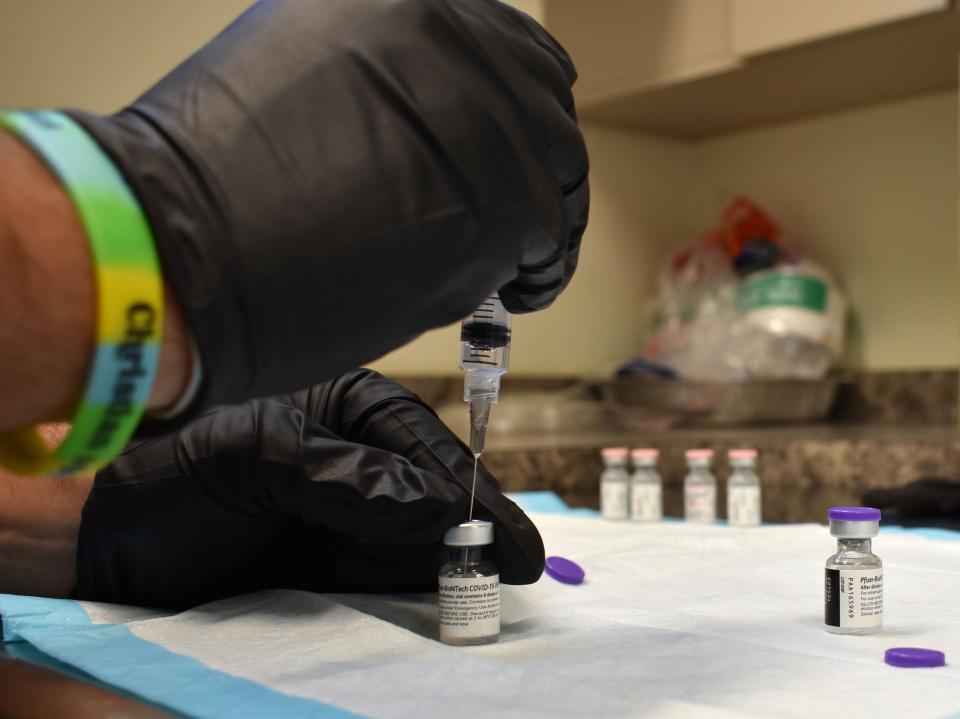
(924,499)
(327,179)
(348,486)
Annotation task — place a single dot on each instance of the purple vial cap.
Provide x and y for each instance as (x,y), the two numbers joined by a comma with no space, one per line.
(913,657)
(854,514)
(563,570)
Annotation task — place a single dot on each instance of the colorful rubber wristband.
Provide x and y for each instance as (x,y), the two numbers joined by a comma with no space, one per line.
(129,302)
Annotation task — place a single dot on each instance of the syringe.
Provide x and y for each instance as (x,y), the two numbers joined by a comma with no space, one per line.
(484,357)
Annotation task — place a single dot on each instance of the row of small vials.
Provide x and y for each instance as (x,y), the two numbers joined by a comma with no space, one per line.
(639,495)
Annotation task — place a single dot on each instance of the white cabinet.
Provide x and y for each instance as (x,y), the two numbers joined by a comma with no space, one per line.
(693,68)
(629,45)
(763,25)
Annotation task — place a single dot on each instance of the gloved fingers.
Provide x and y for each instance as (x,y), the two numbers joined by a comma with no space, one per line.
(551,71)
(376,495)
(253,496)
(550,252)
(880,498)
(536,287)
(577,206)
(500,28)
(268,458)
(367,408)
(362,491)
(412,430)
(362,457)
(152,535)
(264,495)
(539,34)
(547,266)
(928,498)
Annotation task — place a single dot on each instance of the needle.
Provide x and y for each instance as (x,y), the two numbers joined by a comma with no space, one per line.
(473,487)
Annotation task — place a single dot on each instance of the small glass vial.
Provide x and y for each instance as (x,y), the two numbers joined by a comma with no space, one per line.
(699,487)
(469,593)
(853,586)
(614,483)
(646,488)
(743,489)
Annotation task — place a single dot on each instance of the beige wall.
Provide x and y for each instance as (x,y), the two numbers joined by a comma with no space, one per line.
(98,54)
(872,194)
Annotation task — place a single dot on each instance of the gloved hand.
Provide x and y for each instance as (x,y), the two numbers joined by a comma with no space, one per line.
(929,499)
(347,486)
(327,179)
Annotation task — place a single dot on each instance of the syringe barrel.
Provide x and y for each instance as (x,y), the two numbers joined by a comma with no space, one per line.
(485,350)
(485,336)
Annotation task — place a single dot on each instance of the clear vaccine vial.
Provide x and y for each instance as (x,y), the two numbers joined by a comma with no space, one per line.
(614,483)
(469,591)
(853,586)
(646,487)
(743,489)
(699,487)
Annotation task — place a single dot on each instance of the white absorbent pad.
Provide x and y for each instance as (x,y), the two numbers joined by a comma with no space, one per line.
(673,620)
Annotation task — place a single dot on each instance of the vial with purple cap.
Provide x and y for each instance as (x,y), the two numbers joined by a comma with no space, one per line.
(853,585)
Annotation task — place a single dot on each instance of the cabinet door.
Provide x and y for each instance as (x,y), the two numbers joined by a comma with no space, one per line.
(632,45)
(763,25)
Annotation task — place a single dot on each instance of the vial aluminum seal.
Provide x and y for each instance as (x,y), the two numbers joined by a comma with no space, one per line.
(475,533)
(854,522)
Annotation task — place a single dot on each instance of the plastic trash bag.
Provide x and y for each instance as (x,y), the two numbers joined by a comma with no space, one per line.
(741,304)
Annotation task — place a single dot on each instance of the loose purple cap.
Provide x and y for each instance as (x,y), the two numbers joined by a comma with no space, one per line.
(563,570)
(854,514)
(914,657)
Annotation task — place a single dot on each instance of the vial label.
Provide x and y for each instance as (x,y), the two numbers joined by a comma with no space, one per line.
(700,504)
(646,502)
(853,598)
(743,505)
(469,607)
(613,500)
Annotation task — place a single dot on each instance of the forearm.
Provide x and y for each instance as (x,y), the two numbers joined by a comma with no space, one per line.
(39,524)
(48,300)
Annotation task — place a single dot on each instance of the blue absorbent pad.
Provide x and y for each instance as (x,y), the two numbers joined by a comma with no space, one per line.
(169,679)
(663,609)
(547,502)
(948,535)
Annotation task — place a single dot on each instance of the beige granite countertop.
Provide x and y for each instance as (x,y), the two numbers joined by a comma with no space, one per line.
(803,469)
(706,435)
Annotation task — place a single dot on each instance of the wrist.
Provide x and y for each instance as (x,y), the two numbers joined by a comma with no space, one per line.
(177,365)
(39,525)
(128,307)
(47,295)
(47,300)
